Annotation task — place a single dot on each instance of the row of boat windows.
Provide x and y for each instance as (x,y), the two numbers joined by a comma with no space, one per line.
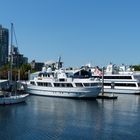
(122,84)
(64,84)
(86,84)
(44,84)
(114,77)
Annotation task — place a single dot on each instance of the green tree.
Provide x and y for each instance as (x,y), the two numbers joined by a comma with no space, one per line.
(4,71)
(24,71)
(136,67)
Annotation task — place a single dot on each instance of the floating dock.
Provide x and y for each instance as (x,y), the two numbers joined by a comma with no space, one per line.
(107,96)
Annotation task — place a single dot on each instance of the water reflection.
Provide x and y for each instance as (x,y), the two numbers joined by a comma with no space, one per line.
(44,118)
(119,117)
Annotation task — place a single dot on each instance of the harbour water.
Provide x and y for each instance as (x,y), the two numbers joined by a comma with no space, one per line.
(48,118)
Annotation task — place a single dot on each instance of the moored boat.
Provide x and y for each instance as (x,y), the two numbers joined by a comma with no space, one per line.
(8,88)
(60,83)
(12,99)
(121,80)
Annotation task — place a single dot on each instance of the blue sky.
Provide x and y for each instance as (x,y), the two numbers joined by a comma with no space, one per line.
(80,31)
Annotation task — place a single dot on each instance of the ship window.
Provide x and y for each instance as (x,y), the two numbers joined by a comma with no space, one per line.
(44,84)
(90,84)
(121,84)
(69,85)
(40,83)
(78,84)
(138,84)
(125,84)
(32,82)
(56,85)
(86,84)
(107,84)
(47,85)
(63,85)
(117,77)
(94,84)
(82,74)
(62,79)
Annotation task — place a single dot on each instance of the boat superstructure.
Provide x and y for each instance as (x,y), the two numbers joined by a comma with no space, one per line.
(61,83)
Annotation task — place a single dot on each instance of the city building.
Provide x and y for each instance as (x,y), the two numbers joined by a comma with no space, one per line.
(4,43)
(18,59)
(37,66)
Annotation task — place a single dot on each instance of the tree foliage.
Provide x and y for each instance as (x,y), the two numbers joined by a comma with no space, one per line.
(4,71)
(136,67)
(22,71)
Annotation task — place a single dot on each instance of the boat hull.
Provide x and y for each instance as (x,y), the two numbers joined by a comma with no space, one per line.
(64,92)
(13,99)
(122,91)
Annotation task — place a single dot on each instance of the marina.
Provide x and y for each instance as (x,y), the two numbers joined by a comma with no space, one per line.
(70,70)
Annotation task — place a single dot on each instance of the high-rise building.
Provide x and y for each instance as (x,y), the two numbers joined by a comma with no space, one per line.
(18,59)
(4,42)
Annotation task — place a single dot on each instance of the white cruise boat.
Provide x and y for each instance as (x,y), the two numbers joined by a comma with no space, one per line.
(119,80)
(60,83)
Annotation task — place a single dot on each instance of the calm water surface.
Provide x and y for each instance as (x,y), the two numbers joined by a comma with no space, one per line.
(47,118)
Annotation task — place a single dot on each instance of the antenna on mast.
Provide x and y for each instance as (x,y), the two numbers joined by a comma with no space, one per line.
(11,52)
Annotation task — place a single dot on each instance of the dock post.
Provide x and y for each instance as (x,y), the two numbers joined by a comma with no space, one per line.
(112,87)
(102,81)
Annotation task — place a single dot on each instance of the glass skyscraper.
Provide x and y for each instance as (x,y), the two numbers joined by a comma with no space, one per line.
(4,43)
